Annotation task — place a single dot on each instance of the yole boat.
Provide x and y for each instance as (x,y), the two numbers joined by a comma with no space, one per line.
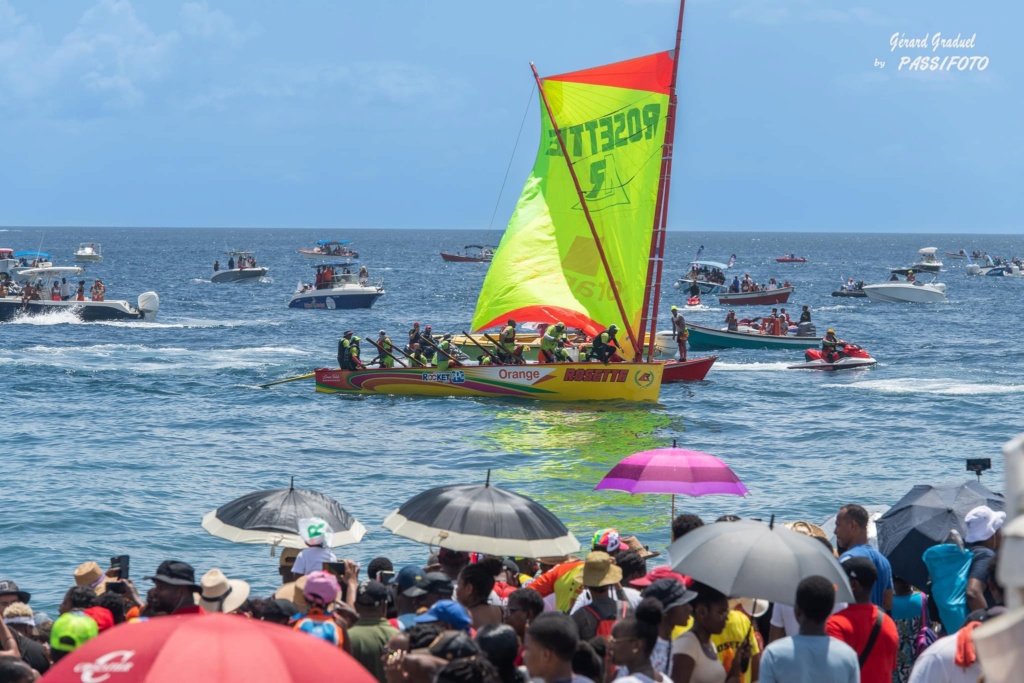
(578,244)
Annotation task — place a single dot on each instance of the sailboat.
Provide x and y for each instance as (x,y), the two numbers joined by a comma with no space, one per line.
(584,246)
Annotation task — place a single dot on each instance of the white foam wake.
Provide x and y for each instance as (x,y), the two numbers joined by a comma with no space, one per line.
(940,387)
(753,367)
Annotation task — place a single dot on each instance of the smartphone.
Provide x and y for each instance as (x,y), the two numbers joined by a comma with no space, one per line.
(336,568)
(121,564)
(385,576)
(117,587)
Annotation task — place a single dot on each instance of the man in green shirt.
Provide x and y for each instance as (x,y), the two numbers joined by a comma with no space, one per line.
(371,633)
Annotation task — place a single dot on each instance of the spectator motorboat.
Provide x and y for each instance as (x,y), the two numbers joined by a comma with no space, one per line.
(472,253)
(42,279)
(927,263)
(89,251)
(330,249)
(342,291)
(245,268)
(744,337)
(791,258)
(915,292)
(762,297)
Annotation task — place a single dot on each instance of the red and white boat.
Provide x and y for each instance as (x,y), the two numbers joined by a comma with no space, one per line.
(791,258)
(687,370)
(759,298)
(474,253)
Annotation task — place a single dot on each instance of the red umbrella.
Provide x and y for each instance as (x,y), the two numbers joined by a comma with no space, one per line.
(210,647)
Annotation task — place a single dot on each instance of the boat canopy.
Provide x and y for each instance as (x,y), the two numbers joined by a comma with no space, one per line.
(336,264)
(6,253)
(928,251)
(53,271)
(323,242)
(32,254)
(711,264)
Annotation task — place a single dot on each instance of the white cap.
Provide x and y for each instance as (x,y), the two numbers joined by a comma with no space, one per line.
(982,523)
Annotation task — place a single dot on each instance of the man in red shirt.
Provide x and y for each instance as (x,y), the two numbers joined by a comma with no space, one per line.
(864,627)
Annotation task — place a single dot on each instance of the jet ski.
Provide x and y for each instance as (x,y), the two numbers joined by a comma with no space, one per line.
(693,301)
(851,356)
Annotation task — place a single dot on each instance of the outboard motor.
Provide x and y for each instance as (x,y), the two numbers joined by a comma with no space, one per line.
(149,304)
(806,329)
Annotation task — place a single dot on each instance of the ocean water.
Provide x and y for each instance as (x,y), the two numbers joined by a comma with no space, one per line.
(118,437)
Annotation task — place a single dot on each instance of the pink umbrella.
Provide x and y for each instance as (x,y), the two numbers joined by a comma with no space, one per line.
(675,471)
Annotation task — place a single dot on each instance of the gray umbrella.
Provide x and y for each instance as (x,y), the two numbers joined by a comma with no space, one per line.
(749,559)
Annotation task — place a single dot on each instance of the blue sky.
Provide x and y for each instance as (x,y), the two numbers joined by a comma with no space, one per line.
(397,114)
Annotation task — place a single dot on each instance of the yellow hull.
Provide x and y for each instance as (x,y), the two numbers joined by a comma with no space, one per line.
(542,381)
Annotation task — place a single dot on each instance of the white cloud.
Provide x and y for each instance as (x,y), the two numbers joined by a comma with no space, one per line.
(199,21)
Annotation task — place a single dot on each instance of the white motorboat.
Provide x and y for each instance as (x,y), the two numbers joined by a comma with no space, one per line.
(35,298)
(337,288)
(702,270)
(27,260)
(241,268)
(89,251)
(927,263)
(907,292)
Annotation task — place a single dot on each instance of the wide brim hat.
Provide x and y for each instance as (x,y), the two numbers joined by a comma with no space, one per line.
(218,593)
(292,592)
(633,543)
(599,570)
(752,607)
(89,574)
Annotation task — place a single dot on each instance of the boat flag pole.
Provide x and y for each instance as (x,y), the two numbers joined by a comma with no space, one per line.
(657,261)
(586,209)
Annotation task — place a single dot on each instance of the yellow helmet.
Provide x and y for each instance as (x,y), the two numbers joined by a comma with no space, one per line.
(831,331)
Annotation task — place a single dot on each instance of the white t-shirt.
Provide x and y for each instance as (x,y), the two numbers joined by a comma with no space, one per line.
(312,559)
(809,659)
(784,617)
(633,597)
(661,656)
(935,665)
(707,669)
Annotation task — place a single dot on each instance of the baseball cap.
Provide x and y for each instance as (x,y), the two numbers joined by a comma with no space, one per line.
(659,573)
(432,582)
(862,569)
(102,616)
(982,523)
(71,630)
(448,612)
(454,645)
(8,587)
(674,308)
(321,587)
(670,593)
(371,593)
(175,573)
(408,577)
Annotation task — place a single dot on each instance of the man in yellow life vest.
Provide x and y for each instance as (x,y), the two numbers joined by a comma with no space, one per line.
(353,355)
(561,355)
(507,341)
(605,344)
(443,360)
(344,356)
(416,357)
(549,342)
(387,358)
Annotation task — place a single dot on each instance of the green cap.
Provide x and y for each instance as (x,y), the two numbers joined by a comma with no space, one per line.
(71,630)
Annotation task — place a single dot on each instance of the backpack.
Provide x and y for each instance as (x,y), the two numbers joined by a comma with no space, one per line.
(925,636)
(604,626)
(948,567)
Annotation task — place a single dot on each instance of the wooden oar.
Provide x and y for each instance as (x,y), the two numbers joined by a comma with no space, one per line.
(290,379)
(493,357)
(515,359)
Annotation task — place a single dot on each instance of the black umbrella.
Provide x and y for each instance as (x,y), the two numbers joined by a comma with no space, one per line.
(272,517)
(923,518)
(484,519)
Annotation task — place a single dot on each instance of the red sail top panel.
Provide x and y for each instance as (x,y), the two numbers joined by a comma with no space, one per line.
(652,73)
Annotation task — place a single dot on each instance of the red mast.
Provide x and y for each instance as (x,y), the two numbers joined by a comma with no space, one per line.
(657,253)
(586,212)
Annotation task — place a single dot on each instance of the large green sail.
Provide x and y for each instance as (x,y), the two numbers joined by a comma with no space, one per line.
(547,268)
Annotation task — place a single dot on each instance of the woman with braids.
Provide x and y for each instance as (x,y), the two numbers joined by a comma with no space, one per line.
(633,640)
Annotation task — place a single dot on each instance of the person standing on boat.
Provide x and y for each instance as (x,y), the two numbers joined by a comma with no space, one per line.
(67,290)
(694,290)
(805,315)
(80,295)
(446,358)
(387,358)
(605,344)
(353,355)
(428,344)
(731,323)
(414,337)
(679,331)
(344,355)
(549,342)
(364,276)
(216,265)
(231,262)
(55,291)
(734,288)
(507,341)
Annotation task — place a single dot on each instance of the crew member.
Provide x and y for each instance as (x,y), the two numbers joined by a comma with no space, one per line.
(549,342)
(344,356)
(894,278)
(231,262)
(805,315)
(910,276)
(353,355)
(605,344)
(416,356)
(387,358)
(561,355)
(446,359)
(507,341)
(731,323)
(427,344)
(414,336)
(679,331)
(832,346)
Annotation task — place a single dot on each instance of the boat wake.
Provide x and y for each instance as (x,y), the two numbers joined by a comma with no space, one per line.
(937,387)
(191,323)
(749,367)
(61,317)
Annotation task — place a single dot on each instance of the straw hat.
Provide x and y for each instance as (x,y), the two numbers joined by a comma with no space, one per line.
(633,543)
(599,570)
(807,529)
(89,574)
(293,591)
(218,593)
